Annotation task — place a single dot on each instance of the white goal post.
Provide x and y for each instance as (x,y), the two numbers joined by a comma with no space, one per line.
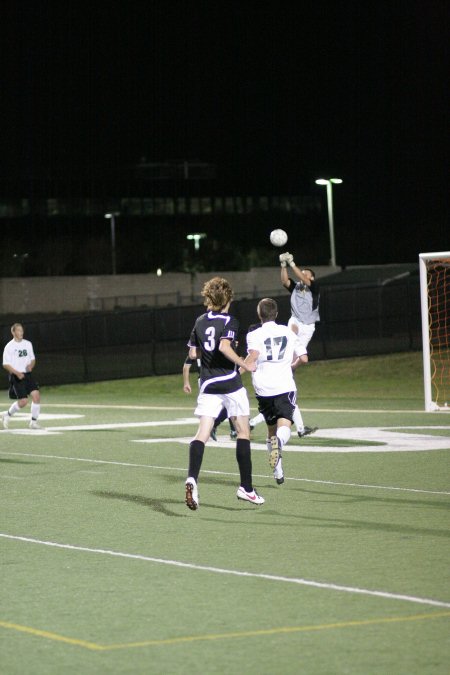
(435,308)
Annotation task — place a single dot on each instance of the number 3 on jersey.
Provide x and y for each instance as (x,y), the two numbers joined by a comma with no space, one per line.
(275,348)
(210,345)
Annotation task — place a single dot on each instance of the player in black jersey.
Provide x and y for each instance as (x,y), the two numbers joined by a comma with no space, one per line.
(212,340)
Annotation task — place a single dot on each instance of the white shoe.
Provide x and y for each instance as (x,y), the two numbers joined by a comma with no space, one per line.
(5,420)
(278,473)
(252,496)
(35,425)
(191,500)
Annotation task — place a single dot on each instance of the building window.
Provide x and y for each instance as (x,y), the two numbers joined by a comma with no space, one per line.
(218,205)
(181,205)
(159,206)
(205,205)
(263,203)
(229,205)
(195,206)
(147,207)
(170,206)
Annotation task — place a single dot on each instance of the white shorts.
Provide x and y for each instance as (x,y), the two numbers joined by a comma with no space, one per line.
(236,403)
(304,331)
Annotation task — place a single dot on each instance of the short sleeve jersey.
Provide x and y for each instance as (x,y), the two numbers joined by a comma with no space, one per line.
(276,346)
(218,375)
(304,301)
(19,355)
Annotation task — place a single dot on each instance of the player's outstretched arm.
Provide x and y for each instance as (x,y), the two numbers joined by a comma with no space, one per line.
(300,274)
(284,258)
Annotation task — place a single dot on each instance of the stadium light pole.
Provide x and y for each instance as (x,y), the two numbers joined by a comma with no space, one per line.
(112,218)
(329,183)
(196,238)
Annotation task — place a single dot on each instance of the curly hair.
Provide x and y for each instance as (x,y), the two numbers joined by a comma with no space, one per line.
(217,293)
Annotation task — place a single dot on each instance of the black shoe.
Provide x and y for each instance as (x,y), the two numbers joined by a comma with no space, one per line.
(213,434)
(280,481)
(306,431)
(233,435)
(252,426)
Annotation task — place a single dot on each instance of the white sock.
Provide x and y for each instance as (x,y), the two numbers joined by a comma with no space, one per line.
(283,435)
(257,419)
(35,410)
(298,419)
(13,409)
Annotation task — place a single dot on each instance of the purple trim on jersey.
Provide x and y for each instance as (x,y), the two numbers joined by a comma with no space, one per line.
(212,315)
(212,380)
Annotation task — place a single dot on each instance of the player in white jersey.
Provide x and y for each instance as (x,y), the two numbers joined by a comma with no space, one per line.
(19,361)
(273,348)
(297,418)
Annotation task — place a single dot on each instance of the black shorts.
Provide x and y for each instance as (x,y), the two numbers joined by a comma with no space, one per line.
(21,388)
(275,407)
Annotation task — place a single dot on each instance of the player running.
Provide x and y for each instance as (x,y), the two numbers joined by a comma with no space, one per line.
(212,340)
(19,361)
(273,348)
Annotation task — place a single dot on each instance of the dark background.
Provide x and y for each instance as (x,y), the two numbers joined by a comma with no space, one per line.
(275,95)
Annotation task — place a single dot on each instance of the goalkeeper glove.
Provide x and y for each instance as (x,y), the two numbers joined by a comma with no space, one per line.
(286,259)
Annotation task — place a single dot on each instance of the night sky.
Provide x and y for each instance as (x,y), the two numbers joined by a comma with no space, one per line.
(263,89)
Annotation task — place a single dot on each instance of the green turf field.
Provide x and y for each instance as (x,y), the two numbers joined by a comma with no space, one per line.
(344,569)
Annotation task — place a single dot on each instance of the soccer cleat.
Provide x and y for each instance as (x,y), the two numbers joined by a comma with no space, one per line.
(213,434)
(274,452)
(5,420)
(275,460)
(191,494)
(252,426)
(306,431)
(233,435)
(278,473)
(35,425)
(253,497)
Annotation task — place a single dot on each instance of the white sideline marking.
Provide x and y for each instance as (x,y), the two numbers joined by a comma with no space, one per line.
(220,473)
(49,416)
(105,427)
(190,407)
(220,570)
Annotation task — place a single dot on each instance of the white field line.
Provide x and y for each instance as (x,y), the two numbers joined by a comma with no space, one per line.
(220,473)
(190,408)
(388,440)
(220,570)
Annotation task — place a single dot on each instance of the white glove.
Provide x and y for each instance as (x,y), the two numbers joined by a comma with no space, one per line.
(286,259)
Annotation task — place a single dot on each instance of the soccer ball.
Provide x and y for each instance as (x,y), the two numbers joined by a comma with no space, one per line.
(278,237)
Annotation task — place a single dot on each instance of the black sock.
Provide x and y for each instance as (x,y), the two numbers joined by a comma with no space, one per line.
(220,417)
(244,460)
(196,450)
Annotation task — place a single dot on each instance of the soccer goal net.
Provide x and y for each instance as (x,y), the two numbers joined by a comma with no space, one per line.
(435,306)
